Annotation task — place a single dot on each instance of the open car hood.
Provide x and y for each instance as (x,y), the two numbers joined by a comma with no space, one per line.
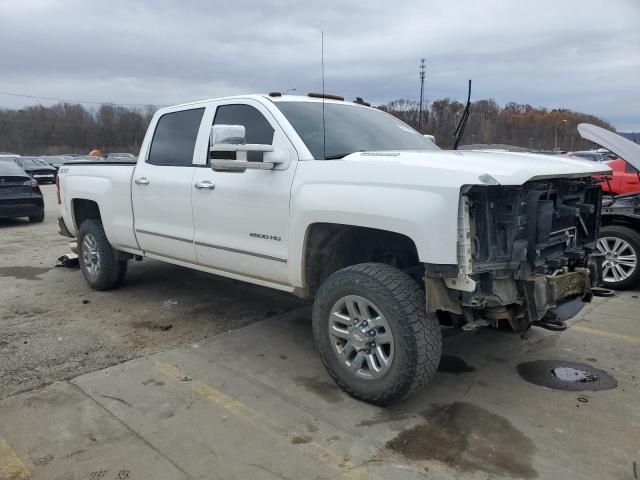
(619,145)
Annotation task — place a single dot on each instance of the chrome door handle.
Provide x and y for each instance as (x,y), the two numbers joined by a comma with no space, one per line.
(206,185)
(142,181)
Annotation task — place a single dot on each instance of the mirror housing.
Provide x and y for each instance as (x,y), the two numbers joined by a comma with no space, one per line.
(232,138)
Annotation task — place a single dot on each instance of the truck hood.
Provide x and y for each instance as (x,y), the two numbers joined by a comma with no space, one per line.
(476,167)
(619,145)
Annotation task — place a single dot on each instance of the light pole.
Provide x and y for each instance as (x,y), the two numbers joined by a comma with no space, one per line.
(289,90)
(421,77)
(555,147)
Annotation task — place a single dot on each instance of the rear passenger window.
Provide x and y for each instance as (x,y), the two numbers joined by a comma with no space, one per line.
(175,138)
(257,128)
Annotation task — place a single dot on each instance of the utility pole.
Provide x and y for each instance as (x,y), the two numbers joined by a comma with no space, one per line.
(421,76)
(555,129)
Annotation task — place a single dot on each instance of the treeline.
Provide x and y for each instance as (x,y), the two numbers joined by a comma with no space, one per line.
(72,128)
(513,124)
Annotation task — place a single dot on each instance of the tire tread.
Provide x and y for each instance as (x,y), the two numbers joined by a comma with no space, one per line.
(425,346)
(112,272)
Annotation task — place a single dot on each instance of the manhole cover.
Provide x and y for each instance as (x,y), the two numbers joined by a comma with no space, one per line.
(563,375)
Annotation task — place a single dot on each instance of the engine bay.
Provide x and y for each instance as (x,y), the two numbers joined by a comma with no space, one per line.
(538,227)
(526,254)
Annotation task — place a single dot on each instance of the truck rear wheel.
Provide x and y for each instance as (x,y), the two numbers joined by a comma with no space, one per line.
(98,259)
(621,265)
(373,333)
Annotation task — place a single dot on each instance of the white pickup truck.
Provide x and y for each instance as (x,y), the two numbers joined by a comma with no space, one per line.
(345,204)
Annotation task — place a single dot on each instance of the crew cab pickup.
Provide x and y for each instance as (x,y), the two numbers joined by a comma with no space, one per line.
(345,204)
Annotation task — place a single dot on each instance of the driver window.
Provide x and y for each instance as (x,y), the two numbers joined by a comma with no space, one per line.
(257,128)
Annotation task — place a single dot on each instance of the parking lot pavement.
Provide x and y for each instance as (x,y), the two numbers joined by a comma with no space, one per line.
(256,403)
(235,388)
(53,326)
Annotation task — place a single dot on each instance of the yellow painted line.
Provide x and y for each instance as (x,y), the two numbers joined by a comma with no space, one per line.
(10,464)
(602,333)
(313,449)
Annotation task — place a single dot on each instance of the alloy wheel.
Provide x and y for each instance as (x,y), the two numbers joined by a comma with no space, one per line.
(620,260)
(90,255)
(361,337)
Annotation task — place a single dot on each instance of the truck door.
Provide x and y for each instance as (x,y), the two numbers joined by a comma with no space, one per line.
(162,184)
(241,220)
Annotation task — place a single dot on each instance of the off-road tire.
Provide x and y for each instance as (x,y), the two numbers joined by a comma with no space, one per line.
(112,271)
(632,237)
(416,334)
(37,218)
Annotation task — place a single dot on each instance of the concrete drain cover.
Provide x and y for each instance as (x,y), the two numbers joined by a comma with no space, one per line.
(563,375)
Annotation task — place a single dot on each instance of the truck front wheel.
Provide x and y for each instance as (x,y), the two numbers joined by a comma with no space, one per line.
(373,333)
(98,260)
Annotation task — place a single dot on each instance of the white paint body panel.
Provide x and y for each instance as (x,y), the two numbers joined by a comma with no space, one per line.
(162,209)
(110,187)
(413,193)
(254,201)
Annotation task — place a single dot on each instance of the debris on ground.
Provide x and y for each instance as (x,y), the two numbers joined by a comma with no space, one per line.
(69,260)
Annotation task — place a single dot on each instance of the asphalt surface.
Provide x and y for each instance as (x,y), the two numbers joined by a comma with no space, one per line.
(54,326)
(235,389)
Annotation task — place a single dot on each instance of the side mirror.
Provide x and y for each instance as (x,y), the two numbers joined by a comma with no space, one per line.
(232,138)
(228,134)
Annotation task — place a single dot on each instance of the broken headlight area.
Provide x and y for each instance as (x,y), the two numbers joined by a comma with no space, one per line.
(525,253)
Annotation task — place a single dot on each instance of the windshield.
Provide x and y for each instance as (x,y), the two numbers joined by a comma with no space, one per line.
(349,129)
(55,161)
(26,162)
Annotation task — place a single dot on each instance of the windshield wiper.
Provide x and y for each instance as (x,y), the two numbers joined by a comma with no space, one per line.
(463,120)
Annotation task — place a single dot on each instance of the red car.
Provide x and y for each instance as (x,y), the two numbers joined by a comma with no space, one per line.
(624,178)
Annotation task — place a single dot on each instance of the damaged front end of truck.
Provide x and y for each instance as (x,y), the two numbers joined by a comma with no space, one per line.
(526,254)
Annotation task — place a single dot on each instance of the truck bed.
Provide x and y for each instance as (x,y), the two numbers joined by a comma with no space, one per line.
(109,186)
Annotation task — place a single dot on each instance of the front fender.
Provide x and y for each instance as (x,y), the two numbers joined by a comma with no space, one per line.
(428,217)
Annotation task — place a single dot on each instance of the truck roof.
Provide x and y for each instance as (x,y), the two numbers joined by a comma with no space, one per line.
(263,96)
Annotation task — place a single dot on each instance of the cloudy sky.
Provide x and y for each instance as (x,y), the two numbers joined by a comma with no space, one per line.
(578,54)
